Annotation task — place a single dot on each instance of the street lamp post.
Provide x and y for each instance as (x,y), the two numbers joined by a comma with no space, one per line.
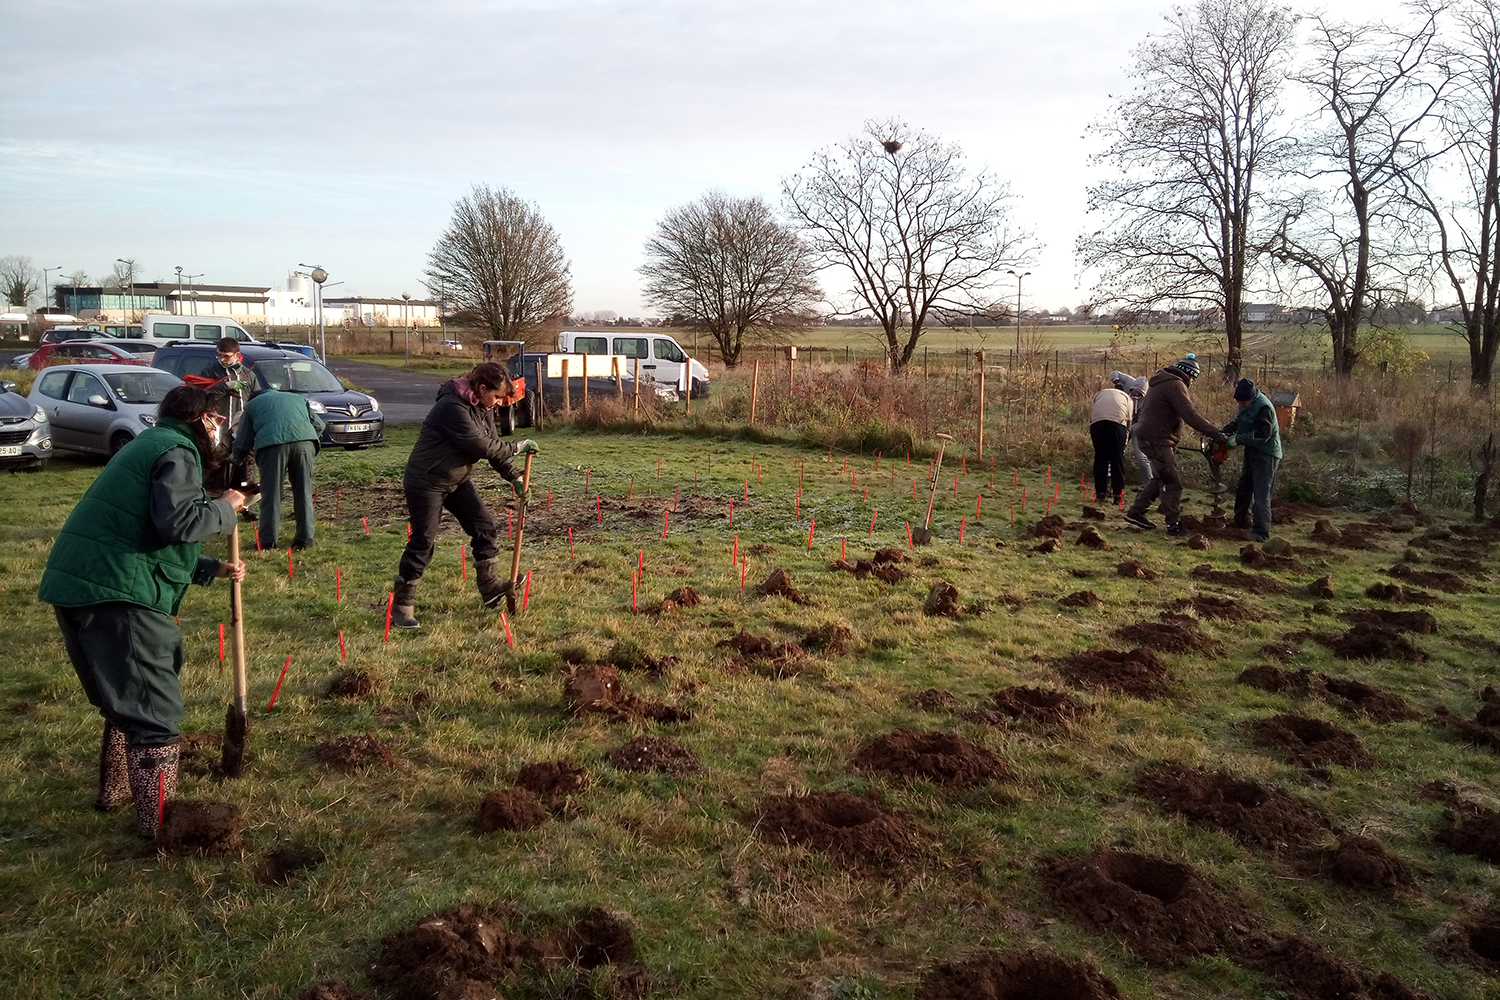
(45,288)
(318,275)
(178,310)
(1018,278)
(130,271)
(191,293)
(405,324)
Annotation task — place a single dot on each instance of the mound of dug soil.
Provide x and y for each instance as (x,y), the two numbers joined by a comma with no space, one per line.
(1081,599)
(942,600)
(863,568)
(1252,813)
(1470,828)
(1373,642)
(1364,863)
(935,700)
(1206,606)
(1484,730)
(595,689)
(944,758)
(1311,742)
(779,584)
(203,828)
(1199,542)
(464,951)
(333,989)
(1173,634)
(1255,557)
(1348,696)
(1307,971)
(1163,910)
(352,684)
(1049,545)
(1475,941)
(647,753)
(552,781)
(1015,975)
(777,659)
(1051,526)
(1419,622)
(884,557)
(1449,583)
(350,753)
(1240,580)
(282,863)
(682,597)
(1042,706)
(1137,673)
(830,638)
(509,809)
(1398,594)
(856,829)
(1133,570)
(1091,538)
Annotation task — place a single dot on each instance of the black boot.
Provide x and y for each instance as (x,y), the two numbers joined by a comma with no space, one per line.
(114,777)
(153,782)
(491,587)
(403,610)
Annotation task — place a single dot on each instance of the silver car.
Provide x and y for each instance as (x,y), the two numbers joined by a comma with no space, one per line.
(100,408)
(25,434)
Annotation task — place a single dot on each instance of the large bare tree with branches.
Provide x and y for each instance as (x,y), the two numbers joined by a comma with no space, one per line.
(18,280)
(501,259)
(1351,234)
(1191,143)
(731,267)
(921,238)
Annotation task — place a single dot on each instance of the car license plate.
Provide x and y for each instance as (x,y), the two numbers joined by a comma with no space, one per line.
(10,451)
(355,428)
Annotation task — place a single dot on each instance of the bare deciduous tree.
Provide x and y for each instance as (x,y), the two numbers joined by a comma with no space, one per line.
(1351,235)
(18,279)
(919,235)
(501,259)
(1191,143)
(729,266)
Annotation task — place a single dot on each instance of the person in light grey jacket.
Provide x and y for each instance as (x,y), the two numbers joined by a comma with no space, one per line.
(1135,388)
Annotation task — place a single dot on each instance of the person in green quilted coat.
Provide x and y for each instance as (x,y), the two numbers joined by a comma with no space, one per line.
(116,576)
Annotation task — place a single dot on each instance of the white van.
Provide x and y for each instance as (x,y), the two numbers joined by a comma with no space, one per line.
(165,327)
(663,361)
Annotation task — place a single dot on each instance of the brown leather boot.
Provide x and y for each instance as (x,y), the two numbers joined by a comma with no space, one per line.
(114,779)
(153,782)
(491,587)
(403,609)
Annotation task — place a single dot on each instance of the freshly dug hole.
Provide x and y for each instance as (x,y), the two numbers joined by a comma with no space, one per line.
(1137,673)
(1016,975)
(1311,742)
(203,828)
(944,758)
(509,809)
(1253,813)
(854,829)
(1043,706)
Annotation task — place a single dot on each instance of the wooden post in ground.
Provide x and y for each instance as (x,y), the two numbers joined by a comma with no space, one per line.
(541,397)
(791,370)
(979,437)
(585,359)
(636,403)
(614,363)
(754,385)
(687,387)
(567,390)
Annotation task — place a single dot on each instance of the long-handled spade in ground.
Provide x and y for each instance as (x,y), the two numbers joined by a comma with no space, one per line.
(236,721)
(923,535)
(515,555)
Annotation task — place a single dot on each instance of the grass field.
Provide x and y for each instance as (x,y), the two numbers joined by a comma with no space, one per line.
(720,906)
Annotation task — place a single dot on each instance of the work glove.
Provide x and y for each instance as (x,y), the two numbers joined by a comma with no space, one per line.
(526,446)
(522,494)
(1223,441)
(1234,441)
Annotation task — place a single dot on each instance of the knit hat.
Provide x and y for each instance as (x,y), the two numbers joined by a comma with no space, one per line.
(1188,366)
(1244,390)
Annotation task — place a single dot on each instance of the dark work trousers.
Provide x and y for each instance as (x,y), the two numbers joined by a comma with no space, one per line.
(1252,495)
(129,660)
(1109,460)
(425,504)
(1166,482)
(277,461)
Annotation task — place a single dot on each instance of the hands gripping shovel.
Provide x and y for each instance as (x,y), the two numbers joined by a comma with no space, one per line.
(515,556)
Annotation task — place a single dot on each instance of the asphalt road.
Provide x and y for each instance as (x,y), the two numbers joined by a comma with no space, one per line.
(405,397)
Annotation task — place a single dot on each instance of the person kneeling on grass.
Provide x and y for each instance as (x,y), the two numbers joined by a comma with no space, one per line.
(459,432)
(116,576)
(1256,430)
(1167,407)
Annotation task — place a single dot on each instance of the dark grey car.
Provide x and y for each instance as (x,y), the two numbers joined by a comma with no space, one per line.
(25,432)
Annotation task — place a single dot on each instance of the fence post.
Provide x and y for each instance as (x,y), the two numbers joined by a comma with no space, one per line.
(979,438)
(541,398)
(791,364)
(585,359)
(754,385)
(687,387)
(567,390)
(636,401)
(614,363)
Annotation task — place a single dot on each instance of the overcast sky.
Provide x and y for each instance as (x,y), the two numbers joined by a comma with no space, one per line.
(238,139)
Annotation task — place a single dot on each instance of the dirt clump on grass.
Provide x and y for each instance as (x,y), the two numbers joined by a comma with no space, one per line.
(1448,583)
(1373,642)
(282,862)
(352,684)
(1208,606)
(1252,813)
(942,600)
(350,753)
(1256,557)
(1089,537)
(1199,542)
(1048,545)
(464,951)
(1305,970)
(1092,513)
(1164,911)
(891,556)
(935,700)
(1469,828)
(1016,975)
(1081,599)
(1484,730)
(1043,706)
(204,828)
(682,597)
(332,989)
(1363,863)
(1051,526)
(1322,587)
(1173,634)
(1311,742)
(1136,672)
(858,830)
(1251,583)
(509,809)
(779,584)
(1419,622)
(595,689)
(648,753)
(830,638)
(1397,594)
(757,652)
(943,758)
(552,781)
(1475,940)
(1356,697)
(1131,569)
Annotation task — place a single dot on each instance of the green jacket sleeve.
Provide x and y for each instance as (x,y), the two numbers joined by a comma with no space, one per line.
(244,437)
(180,510)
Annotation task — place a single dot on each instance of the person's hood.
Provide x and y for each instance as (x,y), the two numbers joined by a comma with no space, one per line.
(1140,384)
(1166,374)
(1120,379)
(459,387)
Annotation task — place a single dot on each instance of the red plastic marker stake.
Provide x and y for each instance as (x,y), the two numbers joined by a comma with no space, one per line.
(1023,499)
(877,461)
(961,528)
(463,562)
(747,490)
(631,492)
(797,506)
(658,469)
(759,471)
(366,524)
(634,584)
(1121,503)
(221,645)
(966,465)
(509,639)
(408,531)
(908,537)
(866,497)
(666,518)
(1012,515)
(586,479)
(908,460)
(571,554)
(893,478)
(1016,474)
(338,585)
(734,560)
(873,516)
(845,467)
(390,601)
(526,591)
(599,507)
(289,570)
(342,654)
(161,795)
(744,568)
(277,690)
(549,499)
(812,526)
(731,512)
(854,478)
(640,563)
(257,541)
(977,501)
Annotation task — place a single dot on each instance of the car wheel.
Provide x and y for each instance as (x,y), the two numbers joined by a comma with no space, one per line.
(120,440)
(39,466)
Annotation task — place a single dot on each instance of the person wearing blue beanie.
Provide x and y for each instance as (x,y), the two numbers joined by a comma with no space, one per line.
(1255,429)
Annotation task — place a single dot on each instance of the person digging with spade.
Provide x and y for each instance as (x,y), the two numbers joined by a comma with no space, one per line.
(116,576)
(1168,406)
(458,434)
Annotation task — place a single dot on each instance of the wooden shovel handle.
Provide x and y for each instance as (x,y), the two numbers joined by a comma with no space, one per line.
(515,555)
(237,625)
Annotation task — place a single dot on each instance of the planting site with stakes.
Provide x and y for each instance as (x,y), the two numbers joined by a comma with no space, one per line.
(744,735)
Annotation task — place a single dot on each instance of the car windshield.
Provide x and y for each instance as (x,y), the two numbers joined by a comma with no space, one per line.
(296,375)
(142,387)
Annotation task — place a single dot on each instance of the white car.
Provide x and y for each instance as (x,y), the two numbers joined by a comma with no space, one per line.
(100,408)
(454,344)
